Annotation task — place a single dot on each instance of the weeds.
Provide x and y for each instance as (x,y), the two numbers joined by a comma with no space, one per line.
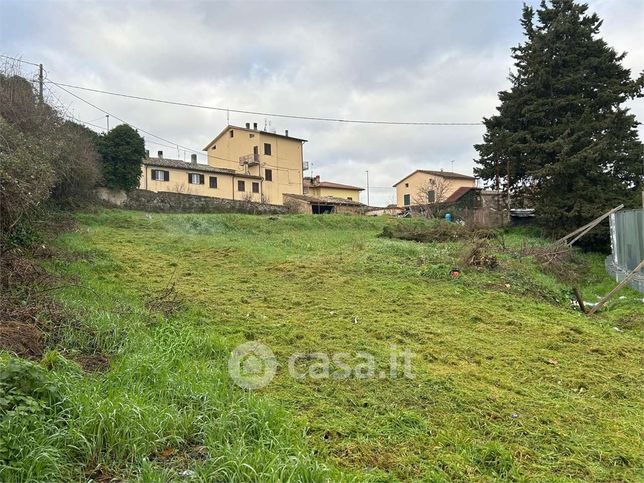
(485,403)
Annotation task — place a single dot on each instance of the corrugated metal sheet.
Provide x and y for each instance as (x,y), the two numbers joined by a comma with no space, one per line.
(627,243)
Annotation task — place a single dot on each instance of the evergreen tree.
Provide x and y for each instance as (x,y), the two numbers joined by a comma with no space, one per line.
(562,134)
(122,150)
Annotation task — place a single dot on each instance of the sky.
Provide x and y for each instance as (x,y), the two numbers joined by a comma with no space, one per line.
(436,61)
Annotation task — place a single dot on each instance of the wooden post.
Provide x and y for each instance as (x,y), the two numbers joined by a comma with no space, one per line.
(621,285)
(589,226)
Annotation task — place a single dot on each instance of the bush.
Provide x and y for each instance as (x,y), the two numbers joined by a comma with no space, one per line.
(435,231)
(123,151)
(42,157)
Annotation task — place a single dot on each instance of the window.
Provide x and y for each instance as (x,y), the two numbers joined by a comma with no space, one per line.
(268,175)
(160,175)
(431,196)
(213,181)
(406,200)
(267,149)
(255,187)
(349,198)
(241,186)
(251,135)
(194,178)
(232,133)
(406,185)
(214,147)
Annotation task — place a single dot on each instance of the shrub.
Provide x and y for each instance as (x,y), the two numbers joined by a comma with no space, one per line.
(123,151)
(42,157)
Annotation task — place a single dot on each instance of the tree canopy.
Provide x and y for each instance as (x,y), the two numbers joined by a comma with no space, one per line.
(123,151)
(562,138)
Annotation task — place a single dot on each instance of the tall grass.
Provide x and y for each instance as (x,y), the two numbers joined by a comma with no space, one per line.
(510,382)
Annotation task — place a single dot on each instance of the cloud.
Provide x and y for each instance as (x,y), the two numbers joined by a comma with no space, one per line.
(404,61)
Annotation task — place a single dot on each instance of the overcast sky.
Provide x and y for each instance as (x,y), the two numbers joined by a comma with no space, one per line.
(414,61)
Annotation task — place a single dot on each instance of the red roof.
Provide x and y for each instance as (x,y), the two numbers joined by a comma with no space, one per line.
(459,193)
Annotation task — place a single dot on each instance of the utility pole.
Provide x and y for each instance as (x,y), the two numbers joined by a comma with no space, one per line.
(368,188)
(40,82)
(107,118)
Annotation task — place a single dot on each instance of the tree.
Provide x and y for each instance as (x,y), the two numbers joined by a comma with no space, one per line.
(562,136)
(123,151)
(431,194)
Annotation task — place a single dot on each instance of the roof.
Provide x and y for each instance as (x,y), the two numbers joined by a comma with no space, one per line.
(178,164)
(330,184)
(326,200)
(459,193)
(444,174)
(268,133)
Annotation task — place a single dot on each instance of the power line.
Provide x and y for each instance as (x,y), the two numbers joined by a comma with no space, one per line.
(270,114)
(175,145)
(171,145)
(19,60)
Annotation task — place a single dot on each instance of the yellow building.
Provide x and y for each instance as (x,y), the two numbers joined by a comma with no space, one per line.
(426,186)
(324,189)
(162,174)
(276,158)
(243,164)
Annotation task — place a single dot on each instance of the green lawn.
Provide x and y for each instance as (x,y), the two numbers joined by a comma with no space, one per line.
(509,381)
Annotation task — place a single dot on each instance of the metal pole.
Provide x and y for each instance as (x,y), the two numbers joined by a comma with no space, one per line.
(368,188)
(107,117)
(40,82)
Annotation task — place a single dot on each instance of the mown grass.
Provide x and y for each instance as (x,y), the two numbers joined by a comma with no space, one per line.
(509,381)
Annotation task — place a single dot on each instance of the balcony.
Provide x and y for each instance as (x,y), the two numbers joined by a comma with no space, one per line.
(249,159)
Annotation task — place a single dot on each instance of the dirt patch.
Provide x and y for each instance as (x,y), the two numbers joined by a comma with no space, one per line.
(22,339)
(92,362)
(102,475)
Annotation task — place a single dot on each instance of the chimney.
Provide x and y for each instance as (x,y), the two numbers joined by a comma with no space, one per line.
(248,125)
(286,132)
(147,153)
(255,126)
(316,180)
(193,158)
(160,154)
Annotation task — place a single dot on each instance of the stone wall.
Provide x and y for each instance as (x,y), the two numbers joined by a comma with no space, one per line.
(166,202)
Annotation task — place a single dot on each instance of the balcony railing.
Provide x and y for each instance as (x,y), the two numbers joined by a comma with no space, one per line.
(249,159)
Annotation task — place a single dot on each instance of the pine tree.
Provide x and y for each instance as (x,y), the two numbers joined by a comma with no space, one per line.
(562,135)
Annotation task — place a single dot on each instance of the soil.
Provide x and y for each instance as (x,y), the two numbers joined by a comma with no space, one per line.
(23,339)
(92,362)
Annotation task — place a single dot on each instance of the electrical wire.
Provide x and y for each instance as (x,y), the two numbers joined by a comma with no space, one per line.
(270,114)
(19,60)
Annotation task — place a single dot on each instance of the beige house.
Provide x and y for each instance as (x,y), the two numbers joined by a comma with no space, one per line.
(324,189)
(425,186)
(161,174)
(244,163)
(276,158)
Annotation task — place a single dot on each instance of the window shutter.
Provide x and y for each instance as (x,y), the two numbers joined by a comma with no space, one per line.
(152,173)
(201,179)
(189,179)
(166,175)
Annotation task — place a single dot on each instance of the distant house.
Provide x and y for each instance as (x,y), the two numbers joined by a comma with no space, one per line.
(324,189)
(244,163)
(426,186)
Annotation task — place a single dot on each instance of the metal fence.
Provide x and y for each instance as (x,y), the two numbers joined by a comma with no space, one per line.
(627,243)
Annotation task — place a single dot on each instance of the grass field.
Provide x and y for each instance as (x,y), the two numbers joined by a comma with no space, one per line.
(509,381)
